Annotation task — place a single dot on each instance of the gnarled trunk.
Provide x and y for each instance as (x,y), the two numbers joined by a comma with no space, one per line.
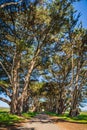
(16,107)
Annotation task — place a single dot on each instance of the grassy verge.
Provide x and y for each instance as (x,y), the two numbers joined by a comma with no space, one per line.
(8,119)
(82,118)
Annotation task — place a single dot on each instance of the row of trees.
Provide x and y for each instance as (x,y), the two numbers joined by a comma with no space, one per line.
(69,75)
(39,38)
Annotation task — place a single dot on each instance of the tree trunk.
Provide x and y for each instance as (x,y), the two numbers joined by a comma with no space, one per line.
(16,106)
(74,110)
(60,107)
(13,106)
(26,105)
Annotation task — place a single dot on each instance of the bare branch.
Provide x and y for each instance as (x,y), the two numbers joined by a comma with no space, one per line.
(10,3)
(5,100)
(6,71)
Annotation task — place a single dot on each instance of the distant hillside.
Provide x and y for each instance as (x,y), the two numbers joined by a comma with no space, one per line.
(4,109)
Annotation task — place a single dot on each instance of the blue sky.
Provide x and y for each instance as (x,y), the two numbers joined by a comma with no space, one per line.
(2,104)
(82,8)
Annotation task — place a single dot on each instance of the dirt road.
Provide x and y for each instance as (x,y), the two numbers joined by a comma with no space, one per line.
(40,122)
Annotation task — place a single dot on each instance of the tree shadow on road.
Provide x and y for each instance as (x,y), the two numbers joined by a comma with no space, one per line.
(17,128)
(43,118)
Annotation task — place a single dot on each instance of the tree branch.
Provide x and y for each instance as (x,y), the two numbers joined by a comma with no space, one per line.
(5,100)
(6,71)
(10,3)
(6,61)
(5,89)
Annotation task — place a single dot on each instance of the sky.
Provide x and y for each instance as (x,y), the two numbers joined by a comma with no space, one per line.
(81,7)
(2,104)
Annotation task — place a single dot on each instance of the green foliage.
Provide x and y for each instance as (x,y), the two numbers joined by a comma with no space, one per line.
(35,87)
(8,119)
(29,115)
(51,113)
(3,83)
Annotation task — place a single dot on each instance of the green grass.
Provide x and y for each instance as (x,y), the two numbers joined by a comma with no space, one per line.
(8,119)
(82,118)
(29,115)
(4,109)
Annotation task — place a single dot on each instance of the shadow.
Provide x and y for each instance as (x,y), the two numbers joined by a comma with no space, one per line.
(41,121)
(42,118)
(19,128)
(22,129)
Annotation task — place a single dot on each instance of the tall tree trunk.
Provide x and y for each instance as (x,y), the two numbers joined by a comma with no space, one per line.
(74,110)
(15,104)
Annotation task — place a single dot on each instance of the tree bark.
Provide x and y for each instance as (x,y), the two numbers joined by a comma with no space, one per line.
(10,3)
(26,105)
(74,110)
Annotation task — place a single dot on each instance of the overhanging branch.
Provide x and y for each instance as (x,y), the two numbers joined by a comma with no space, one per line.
(5,100)
(5,89)
(6,61)
(6,71)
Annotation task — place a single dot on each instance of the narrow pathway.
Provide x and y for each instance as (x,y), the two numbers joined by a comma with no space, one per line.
(41,126)
(40,122)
